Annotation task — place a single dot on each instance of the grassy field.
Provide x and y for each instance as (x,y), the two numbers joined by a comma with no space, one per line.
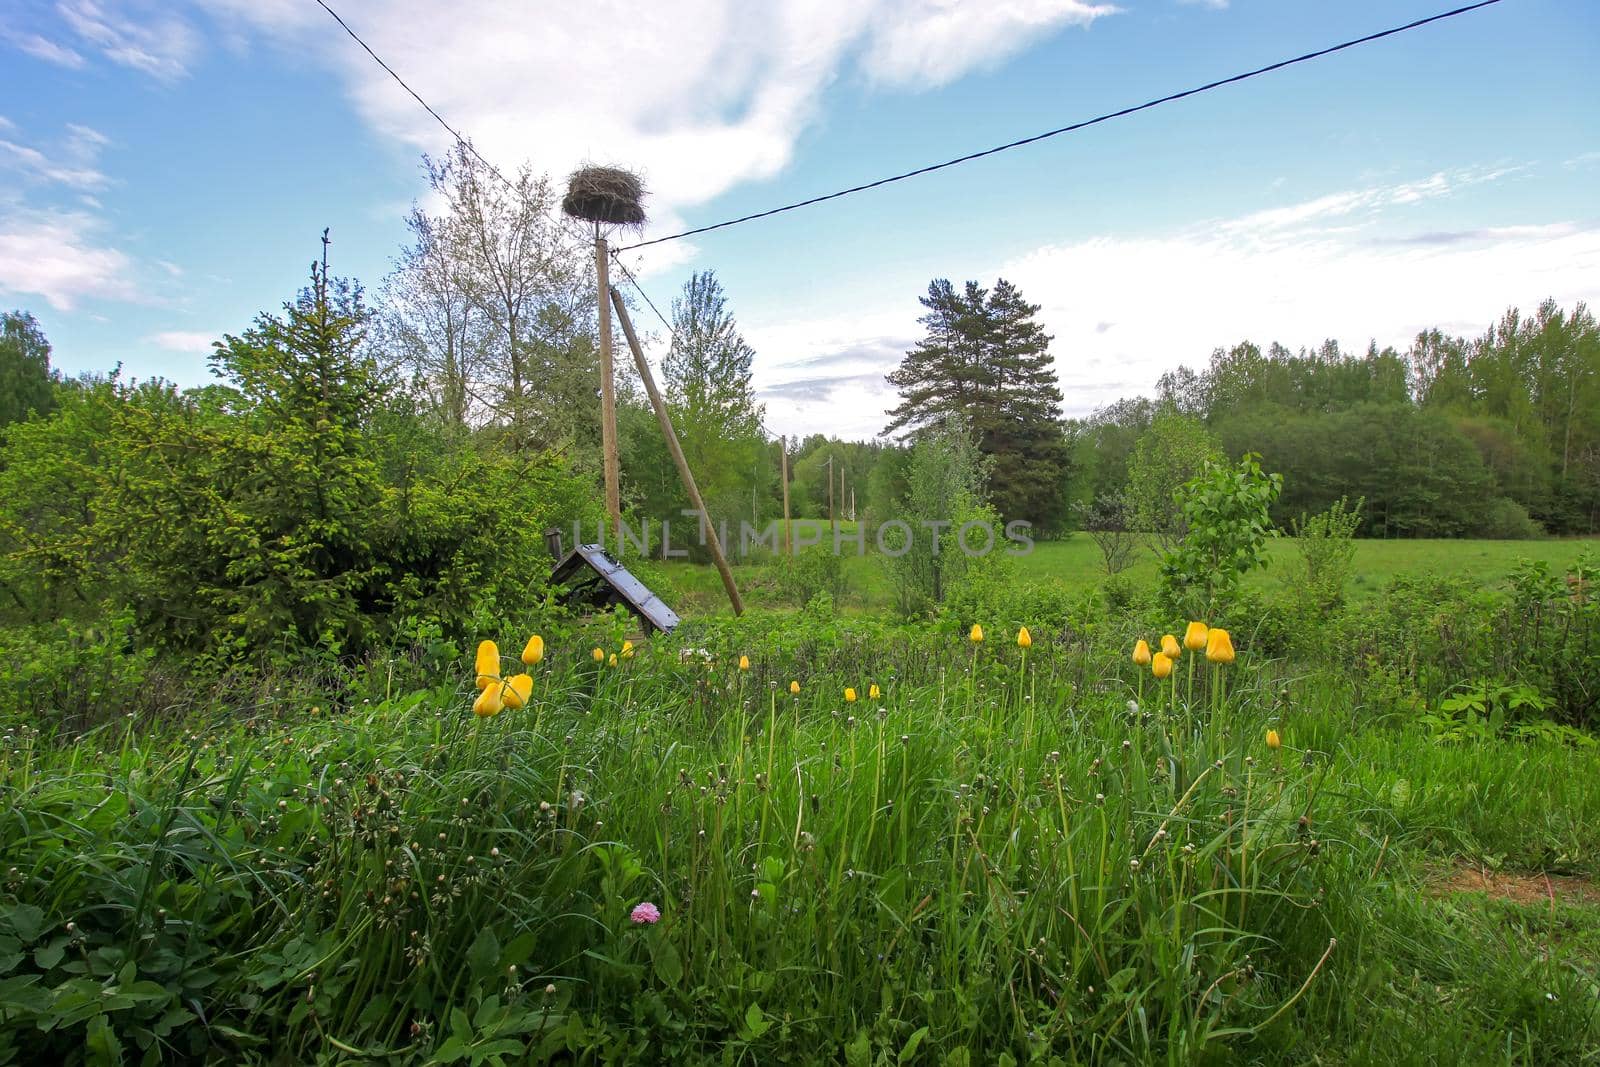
(817,838)
(1076,562)
(995,859)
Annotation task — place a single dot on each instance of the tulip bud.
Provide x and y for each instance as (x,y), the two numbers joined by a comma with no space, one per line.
(533,652)
(488,662)
(599,655)
(627,650)
(488,703)
(518,688)
(794,688)
(1141,653)
(1219,646)
(1024,638)
(1194,638)
(612,662)
(977,634)
(873,692)
(849,696)
(744,663)
(1274,742)
(1161,665)
(1170,647)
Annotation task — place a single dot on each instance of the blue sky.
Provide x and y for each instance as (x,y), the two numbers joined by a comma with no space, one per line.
(166,169)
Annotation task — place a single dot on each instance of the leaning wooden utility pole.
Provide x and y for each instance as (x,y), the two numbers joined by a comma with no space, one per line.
(678,459)
(608,392)
(783,468)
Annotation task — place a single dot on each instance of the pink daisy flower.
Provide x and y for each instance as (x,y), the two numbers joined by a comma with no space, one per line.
(646,913)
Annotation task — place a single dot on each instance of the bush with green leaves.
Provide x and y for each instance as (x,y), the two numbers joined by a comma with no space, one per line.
(815,570)
(300,505)
(943,505)
(1226,524)
(1327,547)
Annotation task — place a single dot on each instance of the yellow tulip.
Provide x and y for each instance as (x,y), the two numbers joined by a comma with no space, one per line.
(1170,647)
(1141,653)
(533,651)
(1161,665)
(744,663)
(1194,638)
(627,650)
(1024,638)
(849,696)
(873,692)
(488,662)
(488,703)
(1273,741)
(794,688)
(976,634)
(1219,646)
(519,687)
(612,662)
(598,654)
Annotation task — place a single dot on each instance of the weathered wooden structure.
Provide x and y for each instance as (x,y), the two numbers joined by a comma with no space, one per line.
(597,580)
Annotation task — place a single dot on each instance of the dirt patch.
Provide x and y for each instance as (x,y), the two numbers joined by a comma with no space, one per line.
(1519,887)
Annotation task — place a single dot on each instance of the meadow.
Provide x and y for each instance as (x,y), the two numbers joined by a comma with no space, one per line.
(802,838)
(1075,562)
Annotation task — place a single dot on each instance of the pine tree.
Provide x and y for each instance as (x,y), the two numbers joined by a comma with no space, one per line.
(986,360)
(1025,436)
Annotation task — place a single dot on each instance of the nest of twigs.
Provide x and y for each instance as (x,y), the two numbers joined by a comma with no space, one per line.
(605,194)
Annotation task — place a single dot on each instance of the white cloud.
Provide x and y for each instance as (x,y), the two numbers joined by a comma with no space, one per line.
(59,256)
(72,167)
(148,38)
(698,95)
(919,45)
(47,50)
(186,341)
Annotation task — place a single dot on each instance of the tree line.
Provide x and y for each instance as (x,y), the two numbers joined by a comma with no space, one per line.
(1493,436)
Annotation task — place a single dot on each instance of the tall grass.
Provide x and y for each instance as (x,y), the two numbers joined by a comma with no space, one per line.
(998,861)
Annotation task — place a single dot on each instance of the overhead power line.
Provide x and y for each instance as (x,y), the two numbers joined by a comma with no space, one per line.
(1107,117)
(891,179)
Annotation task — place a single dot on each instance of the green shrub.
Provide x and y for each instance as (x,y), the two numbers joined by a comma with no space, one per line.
(1503,519)
(816,570)
(1326,543)
(1226,524)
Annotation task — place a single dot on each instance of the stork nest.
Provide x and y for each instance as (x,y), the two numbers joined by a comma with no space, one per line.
(605,194)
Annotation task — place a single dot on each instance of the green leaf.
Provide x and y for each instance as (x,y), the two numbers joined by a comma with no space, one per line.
(25,920)
(100,1042)
(755,1023)
(484,955)
(668,964)
(912,1044)
(858,1053)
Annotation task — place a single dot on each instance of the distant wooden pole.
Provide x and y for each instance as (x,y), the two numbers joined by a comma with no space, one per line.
(841,486)
(833,516)
(783,464)
(684,473)
(608,392)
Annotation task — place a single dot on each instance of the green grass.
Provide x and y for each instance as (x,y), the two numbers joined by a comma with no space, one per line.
(998,861)
(1076,562)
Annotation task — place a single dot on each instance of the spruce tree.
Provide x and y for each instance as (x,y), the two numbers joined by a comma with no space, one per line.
(986,360)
